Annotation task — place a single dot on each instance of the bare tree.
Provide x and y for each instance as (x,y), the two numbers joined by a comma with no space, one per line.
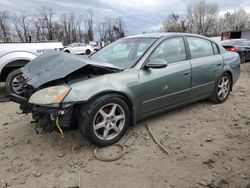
(89,26)
(237,20)
(4,27)
(101,29)
(201,16)
(174,23)
(69,28)
(44,24)
(118,28)
(22,26)
(111,29)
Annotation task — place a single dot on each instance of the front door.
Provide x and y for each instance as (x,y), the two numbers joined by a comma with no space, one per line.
(169,86)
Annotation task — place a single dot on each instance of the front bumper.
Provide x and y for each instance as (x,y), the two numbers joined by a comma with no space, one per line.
(24,102)
(47,114)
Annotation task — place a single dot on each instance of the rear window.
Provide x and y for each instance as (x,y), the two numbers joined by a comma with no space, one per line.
(199,47)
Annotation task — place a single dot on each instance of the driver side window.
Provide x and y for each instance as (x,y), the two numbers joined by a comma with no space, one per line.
(171,50)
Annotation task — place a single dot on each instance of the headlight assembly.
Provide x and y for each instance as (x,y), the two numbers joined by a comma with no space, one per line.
(50,95)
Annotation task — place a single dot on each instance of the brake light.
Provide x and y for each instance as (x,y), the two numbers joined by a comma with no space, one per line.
(233,49)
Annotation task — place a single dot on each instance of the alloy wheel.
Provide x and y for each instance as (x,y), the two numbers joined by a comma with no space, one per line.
(17,86)
(109,121)
(223,87)
(242,58)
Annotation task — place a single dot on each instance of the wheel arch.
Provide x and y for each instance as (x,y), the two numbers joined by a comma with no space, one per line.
(122,95)
(87,51)
(12,65)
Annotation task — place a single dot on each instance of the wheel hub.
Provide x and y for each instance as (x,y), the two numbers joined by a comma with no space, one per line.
(17,85)
(223,87)
(109,121)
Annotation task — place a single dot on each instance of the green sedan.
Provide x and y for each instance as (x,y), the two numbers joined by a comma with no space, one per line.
(128,80)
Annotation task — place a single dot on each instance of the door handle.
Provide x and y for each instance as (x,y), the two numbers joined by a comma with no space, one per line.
(186,73)
(219,64)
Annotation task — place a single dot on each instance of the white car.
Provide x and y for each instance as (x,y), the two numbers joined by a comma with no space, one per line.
(14,56)
(79,48)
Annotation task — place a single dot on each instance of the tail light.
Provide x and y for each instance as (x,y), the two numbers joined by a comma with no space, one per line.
(232,49)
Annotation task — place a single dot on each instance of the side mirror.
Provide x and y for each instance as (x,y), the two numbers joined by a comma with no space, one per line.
(156,64)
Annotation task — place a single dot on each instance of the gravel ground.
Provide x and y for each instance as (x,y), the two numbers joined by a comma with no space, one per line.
(209,146)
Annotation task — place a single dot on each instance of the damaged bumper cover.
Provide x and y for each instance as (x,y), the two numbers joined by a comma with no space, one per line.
(46,115)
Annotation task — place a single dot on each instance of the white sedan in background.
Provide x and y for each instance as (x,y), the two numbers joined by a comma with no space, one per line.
(79,48)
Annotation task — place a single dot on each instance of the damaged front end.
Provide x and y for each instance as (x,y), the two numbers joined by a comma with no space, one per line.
(48,114)
(46,82)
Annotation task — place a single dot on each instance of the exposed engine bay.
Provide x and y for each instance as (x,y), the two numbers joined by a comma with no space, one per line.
(38,77)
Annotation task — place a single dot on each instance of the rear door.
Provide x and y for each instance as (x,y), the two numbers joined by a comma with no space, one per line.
(169,86)
(206,64)
(82,48)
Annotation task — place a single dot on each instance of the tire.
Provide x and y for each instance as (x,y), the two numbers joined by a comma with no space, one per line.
(243,57)
(222,89)
(12,85)
(111,126)
(87,52)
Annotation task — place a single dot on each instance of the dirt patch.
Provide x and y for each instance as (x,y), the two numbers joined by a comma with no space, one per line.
(209,146)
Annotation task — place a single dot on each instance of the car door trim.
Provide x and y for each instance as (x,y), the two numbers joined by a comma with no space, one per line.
(201,85)
(173,106)
(170,94)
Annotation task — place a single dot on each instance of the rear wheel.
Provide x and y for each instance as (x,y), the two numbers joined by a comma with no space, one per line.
(104,120)
(243,58)
(222,89)
(87,52)
(13,84)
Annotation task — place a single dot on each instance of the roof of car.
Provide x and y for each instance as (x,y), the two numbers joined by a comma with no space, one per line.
(159,35)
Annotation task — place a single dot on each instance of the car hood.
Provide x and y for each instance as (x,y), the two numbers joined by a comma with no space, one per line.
(54,65)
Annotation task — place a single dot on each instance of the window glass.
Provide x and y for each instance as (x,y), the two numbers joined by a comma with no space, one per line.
(125,52)
(171,50)
(199,47)
(82,44)
(216,50)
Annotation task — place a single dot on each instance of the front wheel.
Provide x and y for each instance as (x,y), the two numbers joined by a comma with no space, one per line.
(222,89)
(14,82)
(104,120)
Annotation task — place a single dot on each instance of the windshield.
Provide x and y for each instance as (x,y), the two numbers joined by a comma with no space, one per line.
(124,53)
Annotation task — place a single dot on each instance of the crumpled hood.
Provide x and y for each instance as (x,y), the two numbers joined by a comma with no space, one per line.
(53,65)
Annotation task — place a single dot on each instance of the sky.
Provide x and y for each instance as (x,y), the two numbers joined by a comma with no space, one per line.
(138,15)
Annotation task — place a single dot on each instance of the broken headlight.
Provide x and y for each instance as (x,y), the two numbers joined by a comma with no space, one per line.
(50,95)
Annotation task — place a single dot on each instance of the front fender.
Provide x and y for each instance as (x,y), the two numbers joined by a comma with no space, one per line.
(125,82)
